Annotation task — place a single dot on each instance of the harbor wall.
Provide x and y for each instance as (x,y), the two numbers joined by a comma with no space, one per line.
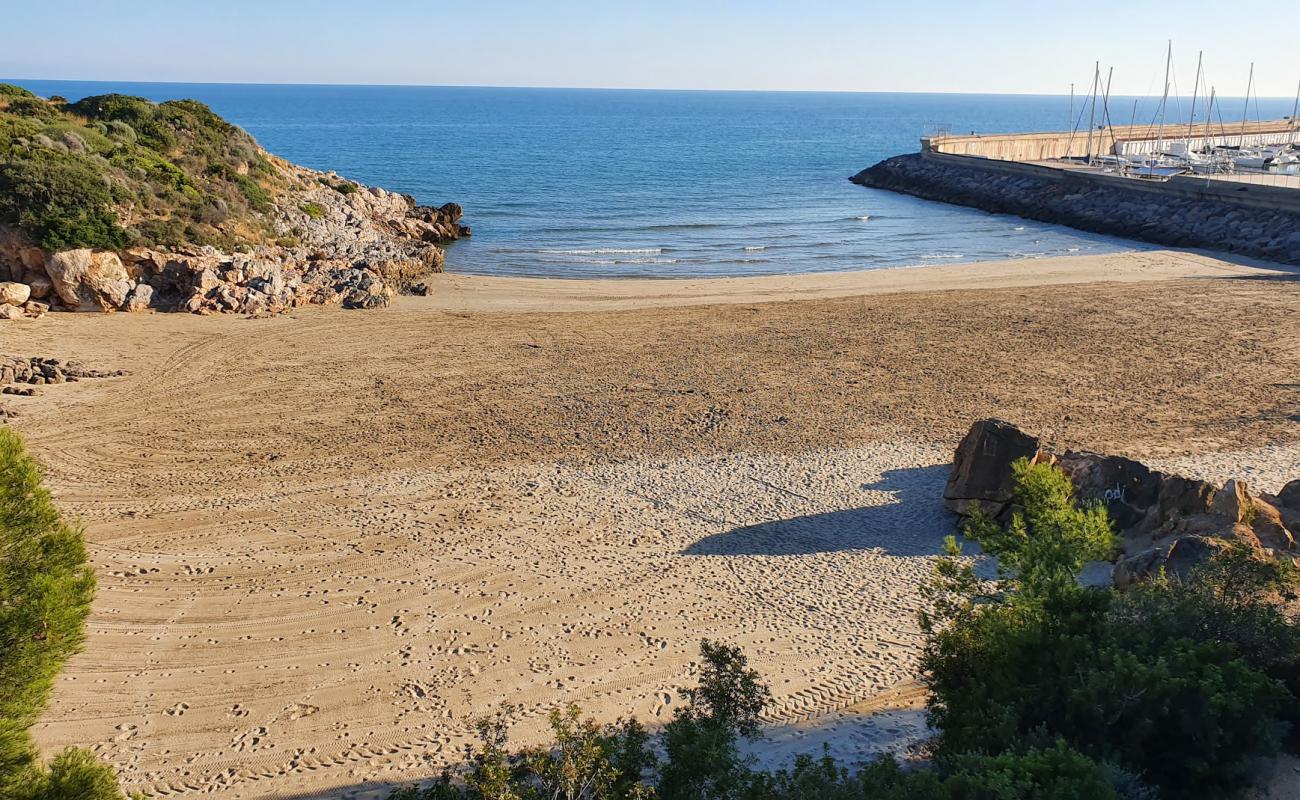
(1256,221)
(1119,140)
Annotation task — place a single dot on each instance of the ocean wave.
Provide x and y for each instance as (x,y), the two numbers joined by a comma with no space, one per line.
(941,256)
(607,251)
(607,262)
(757,248)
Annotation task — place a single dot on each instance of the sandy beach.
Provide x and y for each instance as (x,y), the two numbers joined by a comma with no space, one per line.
(328,541)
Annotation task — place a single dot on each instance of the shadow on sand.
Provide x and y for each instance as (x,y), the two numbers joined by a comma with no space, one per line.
(912,522)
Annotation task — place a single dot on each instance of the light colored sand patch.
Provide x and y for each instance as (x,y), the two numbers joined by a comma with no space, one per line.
(325,636)
(1265,469)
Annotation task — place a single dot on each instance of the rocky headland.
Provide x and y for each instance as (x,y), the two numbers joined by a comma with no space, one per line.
(1129,211)
(115,203)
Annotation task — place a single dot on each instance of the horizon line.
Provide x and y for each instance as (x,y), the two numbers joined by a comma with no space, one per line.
(576,88)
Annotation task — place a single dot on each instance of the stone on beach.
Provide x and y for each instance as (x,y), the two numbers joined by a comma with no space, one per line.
(981,471)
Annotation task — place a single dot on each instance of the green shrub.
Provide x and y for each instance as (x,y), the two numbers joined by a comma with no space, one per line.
(1050,537)
(62,200)
(46,588)
(1177,684)
(347,188)
(8,91)
(313,210)
(257,197)
(71,775)
(137,112)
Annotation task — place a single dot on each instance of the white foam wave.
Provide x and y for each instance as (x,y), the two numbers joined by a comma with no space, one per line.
(864,218)
(755,248)
(606,262)
(607,251)
(941,256)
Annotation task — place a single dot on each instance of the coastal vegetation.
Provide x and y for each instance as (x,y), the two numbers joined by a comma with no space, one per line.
(45,591)
(1040,688)
(112,170)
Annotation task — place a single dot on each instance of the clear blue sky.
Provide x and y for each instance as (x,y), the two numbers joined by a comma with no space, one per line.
(941,45)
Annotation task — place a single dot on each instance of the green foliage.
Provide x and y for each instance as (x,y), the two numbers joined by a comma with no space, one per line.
(1184,684)
(61,200)
(45,591)
(313,210)
(701,742)
(347,188)
(182,175)
(1050,537)
(71,775)
(8,91)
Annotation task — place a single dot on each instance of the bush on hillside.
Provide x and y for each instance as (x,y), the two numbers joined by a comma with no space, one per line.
(181,175)
(45,591)
(61,200)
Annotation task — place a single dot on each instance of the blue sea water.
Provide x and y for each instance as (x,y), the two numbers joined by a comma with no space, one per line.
(600,183)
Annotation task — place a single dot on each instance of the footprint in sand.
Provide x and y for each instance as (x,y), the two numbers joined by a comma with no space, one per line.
(178,710)
(299,710)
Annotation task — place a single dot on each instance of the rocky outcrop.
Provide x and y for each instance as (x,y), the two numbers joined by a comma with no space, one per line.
(1166,219)
(1165,522)
(339,244)
(981,471)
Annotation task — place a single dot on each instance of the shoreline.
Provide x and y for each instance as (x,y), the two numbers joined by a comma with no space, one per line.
(456,292)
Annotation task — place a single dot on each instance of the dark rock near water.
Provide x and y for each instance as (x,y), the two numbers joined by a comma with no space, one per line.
(1172,220)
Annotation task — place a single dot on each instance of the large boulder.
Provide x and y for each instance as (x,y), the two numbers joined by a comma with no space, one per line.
(1232,502)
(86,280)
(14,294)
(981,471)
(1177,560)
(40,285)
(1127,488)
(1188,553)
(1289,497)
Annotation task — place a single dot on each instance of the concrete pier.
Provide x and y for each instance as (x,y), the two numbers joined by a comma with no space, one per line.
(1124,141)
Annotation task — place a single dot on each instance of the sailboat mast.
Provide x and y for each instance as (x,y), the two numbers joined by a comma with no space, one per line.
(1196,88)
(1092,115)
(1105,110)
(1294,109)
(1245,112)
(1164,101)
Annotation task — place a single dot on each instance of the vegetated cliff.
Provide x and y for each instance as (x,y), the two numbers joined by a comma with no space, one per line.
(117,203)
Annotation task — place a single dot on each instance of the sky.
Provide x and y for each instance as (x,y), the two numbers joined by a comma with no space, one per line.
(834,45)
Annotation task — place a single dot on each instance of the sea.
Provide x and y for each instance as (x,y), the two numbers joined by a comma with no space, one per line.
(575,183)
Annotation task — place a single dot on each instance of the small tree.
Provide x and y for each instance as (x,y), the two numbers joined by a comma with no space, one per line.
(1050,536)
(45,591)
(702,760)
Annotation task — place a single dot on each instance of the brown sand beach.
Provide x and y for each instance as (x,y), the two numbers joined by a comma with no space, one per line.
(327,541)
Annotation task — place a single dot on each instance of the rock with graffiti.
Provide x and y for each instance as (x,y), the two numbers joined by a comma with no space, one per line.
(1166,523)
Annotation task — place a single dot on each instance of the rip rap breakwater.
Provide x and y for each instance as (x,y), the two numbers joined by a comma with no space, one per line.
(1260,222)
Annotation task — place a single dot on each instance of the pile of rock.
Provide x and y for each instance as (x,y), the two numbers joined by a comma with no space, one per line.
(338,243)
(1117,209)
(37,371)
(1165,522)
